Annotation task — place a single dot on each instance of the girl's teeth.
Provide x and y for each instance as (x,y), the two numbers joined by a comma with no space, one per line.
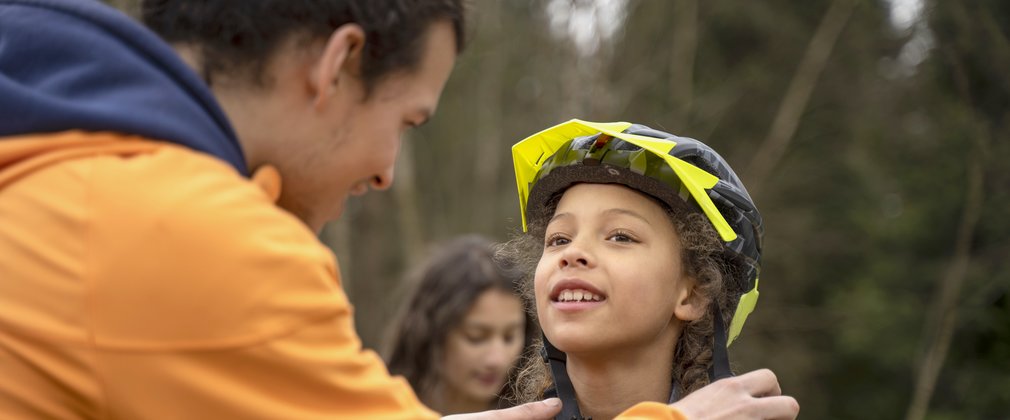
(578,295)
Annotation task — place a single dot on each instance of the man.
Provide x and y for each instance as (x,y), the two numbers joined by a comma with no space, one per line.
(158,206)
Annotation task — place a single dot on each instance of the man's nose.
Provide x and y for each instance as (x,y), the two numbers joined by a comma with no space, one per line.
(383,180)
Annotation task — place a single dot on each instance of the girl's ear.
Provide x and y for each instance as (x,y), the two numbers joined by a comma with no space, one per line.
(690,302)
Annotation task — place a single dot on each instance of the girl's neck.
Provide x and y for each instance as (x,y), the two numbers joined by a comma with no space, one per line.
(607,384)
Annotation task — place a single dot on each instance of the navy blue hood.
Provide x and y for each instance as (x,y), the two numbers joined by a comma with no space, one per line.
(79,64)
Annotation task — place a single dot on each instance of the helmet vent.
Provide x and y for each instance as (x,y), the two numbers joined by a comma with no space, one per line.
(601,141)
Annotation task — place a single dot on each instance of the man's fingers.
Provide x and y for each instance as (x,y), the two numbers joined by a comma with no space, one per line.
(754,395)
(760,383)
(544,410)
(540,410)
(778,408)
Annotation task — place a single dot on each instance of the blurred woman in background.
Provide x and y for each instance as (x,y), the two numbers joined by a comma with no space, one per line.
(462,330)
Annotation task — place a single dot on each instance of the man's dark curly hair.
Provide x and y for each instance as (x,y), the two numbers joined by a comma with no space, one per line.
(238,37)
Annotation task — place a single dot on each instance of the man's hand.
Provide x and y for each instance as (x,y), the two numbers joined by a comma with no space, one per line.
(755,395)
(540,410)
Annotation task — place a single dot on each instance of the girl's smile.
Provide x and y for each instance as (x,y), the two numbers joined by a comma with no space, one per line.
(575,295)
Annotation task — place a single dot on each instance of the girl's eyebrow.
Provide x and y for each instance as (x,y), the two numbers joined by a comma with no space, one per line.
(608,212)
(558,216)
(626,212)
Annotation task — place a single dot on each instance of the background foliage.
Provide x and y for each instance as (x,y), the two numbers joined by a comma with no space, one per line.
(875,147)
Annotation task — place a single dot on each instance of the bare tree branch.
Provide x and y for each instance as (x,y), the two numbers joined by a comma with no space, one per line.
(944,309)
(685,44)
(939,329)
(798,94)
(489,158)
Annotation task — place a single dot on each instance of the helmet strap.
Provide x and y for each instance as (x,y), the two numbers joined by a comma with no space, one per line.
(562,383)
(720,354)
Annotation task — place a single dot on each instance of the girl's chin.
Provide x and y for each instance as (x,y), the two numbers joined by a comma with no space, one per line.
(574,342)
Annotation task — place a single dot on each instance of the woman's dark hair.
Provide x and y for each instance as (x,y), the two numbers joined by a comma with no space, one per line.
(704,257)
(238,37)
(441,294)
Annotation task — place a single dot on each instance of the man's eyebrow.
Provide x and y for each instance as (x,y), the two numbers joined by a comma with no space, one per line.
(626,212)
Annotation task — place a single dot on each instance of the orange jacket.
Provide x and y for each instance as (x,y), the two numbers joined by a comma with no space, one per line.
(145,280)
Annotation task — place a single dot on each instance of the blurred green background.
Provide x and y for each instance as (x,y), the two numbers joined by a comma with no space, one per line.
(873,135)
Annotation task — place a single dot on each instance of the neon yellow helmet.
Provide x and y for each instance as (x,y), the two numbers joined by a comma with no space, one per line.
(675,170)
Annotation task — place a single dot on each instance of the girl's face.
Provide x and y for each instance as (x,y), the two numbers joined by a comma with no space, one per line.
(611,275)
(480,352)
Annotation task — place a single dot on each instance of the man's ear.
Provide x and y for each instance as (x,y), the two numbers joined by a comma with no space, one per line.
(690,302)
(340,60)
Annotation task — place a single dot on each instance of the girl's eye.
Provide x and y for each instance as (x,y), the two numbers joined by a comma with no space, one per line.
(556,239)
(622,236)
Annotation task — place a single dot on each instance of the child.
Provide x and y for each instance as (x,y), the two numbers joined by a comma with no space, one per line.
(640,248)
(462,330)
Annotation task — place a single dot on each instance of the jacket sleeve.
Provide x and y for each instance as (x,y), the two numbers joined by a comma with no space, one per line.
(317,371)
(208,301)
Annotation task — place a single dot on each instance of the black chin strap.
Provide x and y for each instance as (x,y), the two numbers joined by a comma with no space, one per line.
(566,392)
(720,354)
(562,383)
